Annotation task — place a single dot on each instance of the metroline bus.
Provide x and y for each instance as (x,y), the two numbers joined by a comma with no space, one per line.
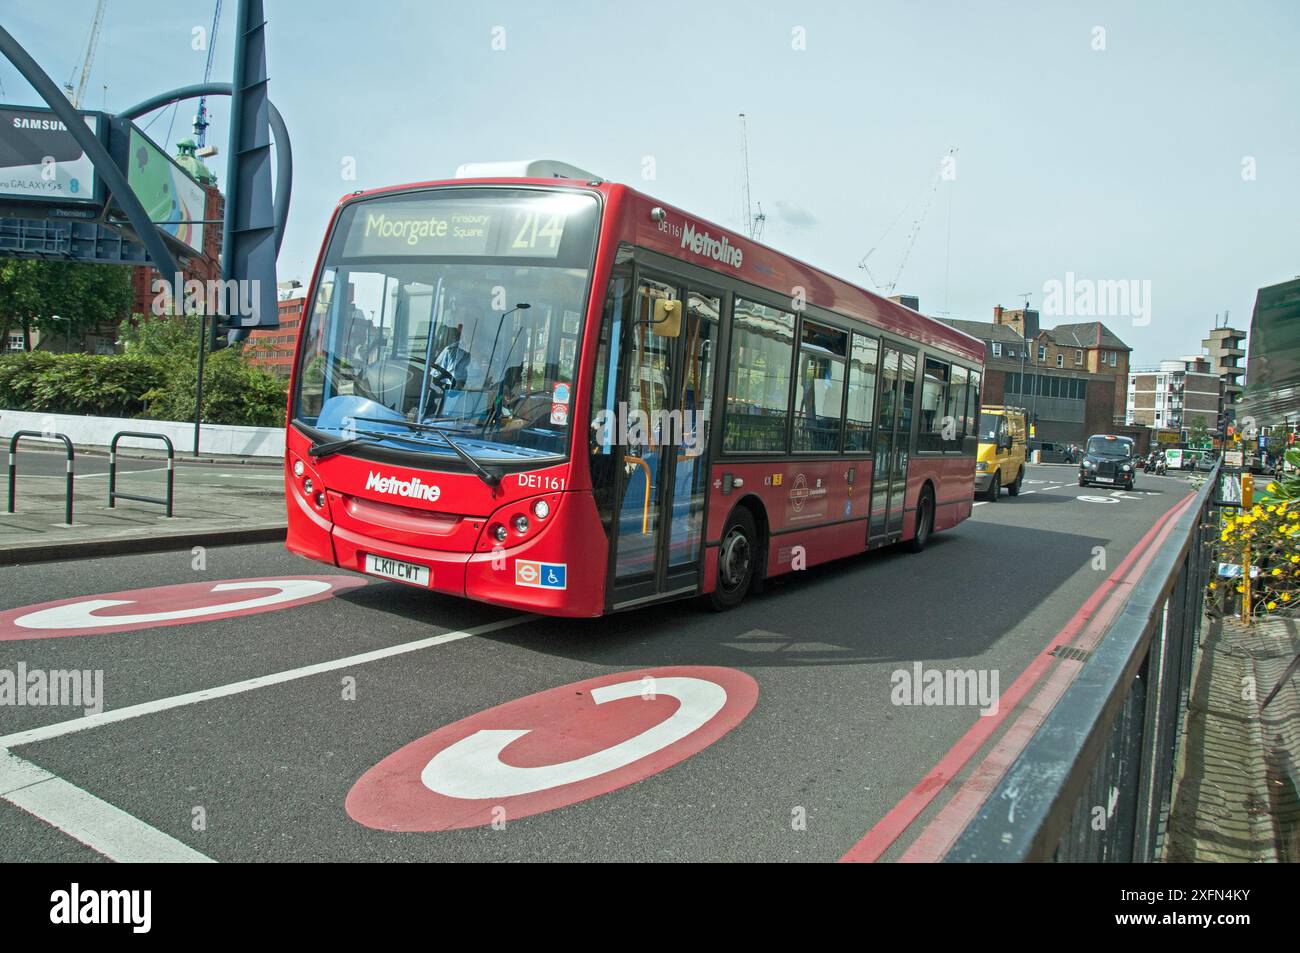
(556,394)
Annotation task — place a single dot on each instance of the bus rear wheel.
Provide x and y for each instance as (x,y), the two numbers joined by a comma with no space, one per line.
(924,521)
(737,557)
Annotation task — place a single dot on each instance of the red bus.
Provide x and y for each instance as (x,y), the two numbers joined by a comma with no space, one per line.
(560,395)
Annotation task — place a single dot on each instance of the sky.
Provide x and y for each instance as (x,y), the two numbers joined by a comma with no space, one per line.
(1151,143)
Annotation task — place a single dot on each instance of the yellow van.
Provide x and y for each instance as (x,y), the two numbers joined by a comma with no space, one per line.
(1001,459)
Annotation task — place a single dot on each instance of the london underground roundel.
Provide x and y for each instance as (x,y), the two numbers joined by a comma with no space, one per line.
(552,749)
(167,605)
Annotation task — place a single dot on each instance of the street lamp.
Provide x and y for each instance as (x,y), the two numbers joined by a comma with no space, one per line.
(67,329)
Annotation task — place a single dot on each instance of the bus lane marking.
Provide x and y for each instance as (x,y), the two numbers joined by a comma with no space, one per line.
(552,749)
(137,609)
(72,725)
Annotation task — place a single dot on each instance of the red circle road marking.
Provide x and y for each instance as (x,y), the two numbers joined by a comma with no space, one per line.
(167,605)
(552,749)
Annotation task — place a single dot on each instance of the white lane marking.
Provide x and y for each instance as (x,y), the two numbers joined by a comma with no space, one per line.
(980,503)
(99,825)
(81,615)
(59,729)
(472,768)
(120,473)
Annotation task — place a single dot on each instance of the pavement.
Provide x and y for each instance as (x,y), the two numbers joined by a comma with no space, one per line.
(1237,795)
(215,502)
(298,728)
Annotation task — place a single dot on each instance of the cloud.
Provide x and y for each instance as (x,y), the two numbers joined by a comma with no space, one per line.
(794,214)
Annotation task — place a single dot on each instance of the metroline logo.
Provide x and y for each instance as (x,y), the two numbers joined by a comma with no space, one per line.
(719,249)
(414,488)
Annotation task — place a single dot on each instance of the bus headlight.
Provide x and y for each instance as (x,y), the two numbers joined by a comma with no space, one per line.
(297,468)
(498,532)
(307,486)
(541,509)
(520,523)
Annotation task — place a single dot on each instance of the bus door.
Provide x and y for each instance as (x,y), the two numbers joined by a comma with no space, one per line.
(665,402)
(892,445)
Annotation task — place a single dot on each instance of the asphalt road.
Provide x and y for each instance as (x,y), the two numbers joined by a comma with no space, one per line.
(264,773)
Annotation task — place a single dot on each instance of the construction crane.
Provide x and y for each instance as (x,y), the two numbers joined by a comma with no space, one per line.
(201,118)
(928,193)
(753,222)
(75,93)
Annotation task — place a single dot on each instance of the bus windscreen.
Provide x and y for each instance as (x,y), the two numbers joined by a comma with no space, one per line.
(459,309)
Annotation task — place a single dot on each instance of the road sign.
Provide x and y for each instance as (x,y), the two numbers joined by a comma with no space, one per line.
(552,749)
(167,605)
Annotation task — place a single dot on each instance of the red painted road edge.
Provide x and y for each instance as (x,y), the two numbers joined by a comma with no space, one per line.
(890,827)
(942,831)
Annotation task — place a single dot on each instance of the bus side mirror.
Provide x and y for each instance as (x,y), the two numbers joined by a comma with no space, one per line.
(667,320)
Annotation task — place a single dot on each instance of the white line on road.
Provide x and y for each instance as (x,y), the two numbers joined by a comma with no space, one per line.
(61,728)
(120,473)
(79,814)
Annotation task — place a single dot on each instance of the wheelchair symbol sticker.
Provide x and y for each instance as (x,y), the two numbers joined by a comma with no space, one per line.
(538,575)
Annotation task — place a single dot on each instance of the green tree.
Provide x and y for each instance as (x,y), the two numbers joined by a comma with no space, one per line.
(1197,432)
(33,292)
(169,337)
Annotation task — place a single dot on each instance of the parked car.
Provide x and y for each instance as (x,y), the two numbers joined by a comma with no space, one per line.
(1108,460)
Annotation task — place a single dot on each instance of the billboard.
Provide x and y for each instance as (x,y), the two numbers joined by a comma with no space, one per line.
(41,163)
(175,202)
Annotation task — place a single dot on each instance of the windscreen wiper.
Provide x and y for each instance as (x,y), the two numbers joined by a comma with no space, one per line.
(489,477)
(368,438)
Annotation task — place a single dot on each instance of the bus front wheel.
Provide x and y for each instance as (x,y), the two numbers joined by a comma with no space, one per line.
(737,557)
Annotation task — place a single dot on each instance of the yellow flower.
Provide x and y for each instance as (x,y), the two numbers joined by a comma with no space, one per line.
(1271,605)
(1214,585)
(1241,588)
(1277,572)
(1286,597)
(1272,488)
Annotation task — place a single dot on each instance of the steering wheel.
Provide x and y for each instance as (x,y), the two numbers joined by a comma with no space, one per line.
(443,377)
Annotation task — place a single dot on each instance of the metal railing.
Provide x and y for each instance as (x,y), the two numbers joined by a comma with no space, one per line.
(1095,781)
(114,496)
(13,467)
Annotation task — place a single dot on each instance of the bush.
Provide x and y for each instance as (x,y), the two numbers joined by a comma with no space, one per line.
(151,381)
(1270,530)
(91,384)
(234,392)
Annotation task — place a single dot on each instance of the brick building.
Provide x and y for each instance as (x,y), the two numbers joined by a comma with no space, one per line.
(1069,378)
(272,348)
(1175,395)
